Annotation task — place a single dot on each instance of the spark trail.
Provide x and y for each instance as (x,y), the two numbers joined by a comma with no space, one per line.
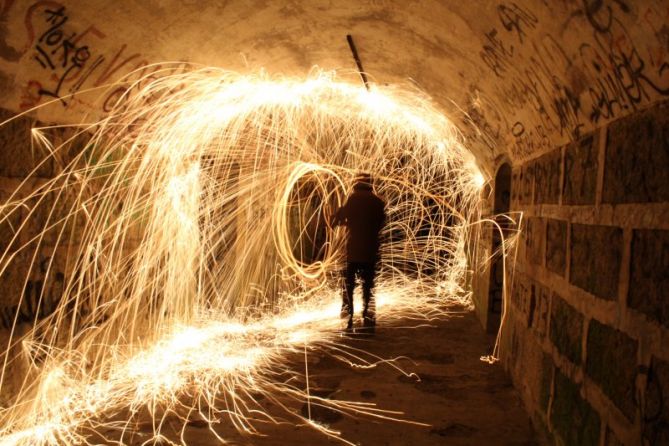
(194,230)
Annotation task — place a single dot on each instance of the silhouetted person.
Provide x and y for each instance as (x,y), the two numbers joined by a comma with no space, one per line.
(363,214)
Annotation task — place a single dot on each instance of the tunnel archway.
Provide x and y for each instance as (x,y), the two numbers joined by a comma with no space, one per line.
(573,94)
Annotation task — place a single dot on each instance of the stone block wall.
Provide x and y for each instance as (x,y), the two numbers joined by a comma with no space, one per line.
(586,340)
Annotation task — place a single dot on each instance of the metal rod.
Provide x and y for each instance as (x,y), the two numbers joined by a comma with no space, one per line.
(349,38)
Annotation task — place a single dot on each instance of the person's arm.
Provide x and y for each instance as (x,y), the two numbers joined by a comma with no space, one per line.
(339,217)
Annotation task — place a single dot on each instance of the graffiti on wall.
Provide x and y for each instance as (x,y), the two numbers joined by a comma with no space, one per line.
(570,87)
(41,295)
(622,77)
(70,60)
(56,50)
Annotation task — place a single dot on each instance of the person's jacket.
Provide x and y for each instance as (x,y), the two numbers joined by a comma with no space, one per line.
(363,214)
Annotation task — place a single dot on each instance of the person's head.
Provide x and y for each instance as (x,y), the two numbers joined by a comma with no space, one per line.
(363,181)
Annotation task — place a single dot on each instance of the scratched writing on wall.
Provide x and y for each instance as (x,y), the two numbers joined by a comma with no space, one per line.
(70,62)
(570,87)
(622,77)
(56,50)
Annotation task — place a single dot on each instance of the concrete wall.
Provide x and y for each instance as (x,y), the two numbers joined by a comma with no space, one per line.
(32,272)
(587,337)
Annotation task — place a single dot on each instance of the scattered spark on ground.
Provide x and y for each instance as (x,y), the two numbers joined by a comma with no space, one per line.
(191,224)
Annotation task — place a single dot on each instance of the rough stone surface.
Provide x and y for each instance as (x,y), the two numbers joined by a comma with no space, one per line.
(537,317)
(546,382)
(521,295)
(39,286)
(17,157)
(547,178)
(531,301)
(11,284)
(515,185)
(595,259)
(580,171)
(507,340)
(534,240)
(656,416)
(502,192)
(525,184)
(611,439)
(573,419)
(556,246)
(637,156)
(611,361)
(11,217)
(566,329)
(649,274)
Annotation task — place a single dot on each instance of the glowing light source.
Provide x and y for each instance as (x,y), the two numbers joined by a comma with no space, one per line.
(478,179)
(188,237)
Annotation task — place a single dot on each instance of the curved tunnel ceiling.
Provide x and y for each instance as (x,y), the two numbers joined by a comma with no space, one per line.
(517,77)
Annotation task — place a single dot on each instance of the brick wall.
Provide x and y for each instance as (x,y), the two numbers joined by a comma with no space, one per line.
(587,338)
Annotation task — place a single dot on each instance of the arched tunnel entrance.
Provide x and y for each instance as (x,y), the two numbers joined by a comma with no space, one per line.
(167,263)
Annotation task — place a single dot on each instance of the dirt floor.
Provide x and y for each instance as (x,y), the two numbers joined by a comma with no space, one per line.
(462,400)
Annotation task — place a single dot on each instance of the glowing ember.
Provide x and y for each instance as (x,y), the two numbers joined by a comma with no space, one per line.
(195,232)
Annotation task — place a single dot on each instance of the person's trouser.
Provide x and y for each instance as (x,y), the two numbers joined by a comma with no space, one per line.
(367,272)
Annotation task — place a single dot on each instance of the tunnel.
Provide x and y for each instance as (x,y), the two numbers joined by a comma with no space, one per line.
(169,272)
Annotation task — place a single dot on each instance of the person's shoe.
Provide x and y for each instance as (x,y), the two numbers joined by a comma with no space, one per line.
(368,324)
